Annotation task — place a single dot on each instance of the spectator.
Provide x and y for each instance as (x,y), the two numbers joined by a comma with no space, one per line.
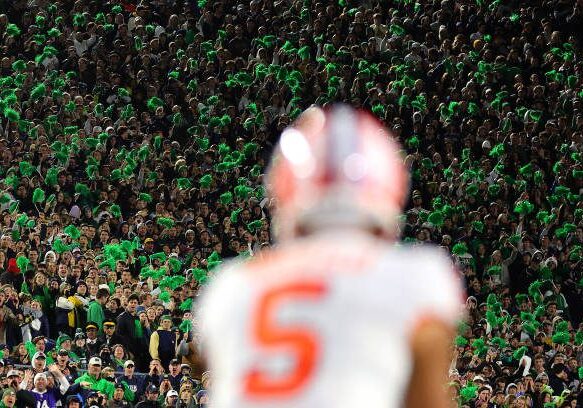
(171,399)
(133,111)
(8,398)
(131,330)
(118,400)
(136,384)
(95,312)
(110,336)
(45,395)
(92,343)
(151,400)
(163,342)
(92,381)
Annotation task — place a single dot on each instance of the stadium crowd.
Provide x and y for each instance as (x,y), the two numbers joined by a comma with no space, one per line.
(133,140)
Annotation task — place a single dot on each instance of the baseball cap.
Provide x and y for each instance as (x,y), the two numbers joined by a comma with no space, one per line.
(174,361)
(8,391)
(91,325)
(39,354)
(13,373)
(72,398)
(128,363)
(172,393)
(95,361)
(119,385)
(152,388)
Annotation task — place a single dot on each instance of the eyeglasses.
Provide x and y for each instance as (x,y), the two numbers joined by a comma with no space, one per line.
(96,365)
(130,366)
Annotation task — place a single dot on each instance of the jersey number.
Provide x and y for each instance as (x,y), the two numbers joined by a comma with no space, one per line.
(300,341)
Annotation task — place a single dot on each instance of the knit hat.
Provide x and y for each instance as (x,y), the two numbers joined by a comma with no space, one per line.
(39,376)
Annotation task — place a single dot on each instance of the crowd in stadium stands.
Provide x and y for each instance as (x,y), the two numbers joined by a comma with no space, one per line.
(133,140)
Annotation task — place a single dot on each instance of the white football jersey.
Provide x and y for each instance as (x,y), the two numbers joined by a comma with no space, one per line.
(323,322)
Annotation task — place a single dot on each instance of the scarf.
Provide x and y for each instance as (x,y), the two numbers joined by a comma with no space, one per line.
(139,330)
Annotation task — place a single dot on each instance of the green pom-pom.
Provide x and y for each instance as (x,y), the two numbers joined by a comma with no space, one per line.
(561,338)
(116,9)
(12,30)
(494,270)
(459,249)
(158,256)
(186,305)
(59,247)
(19,65)
(38,196)
(5,198)
(73,232)
(145,197)
(185,326)
(165,222)
(253,226)
(38,92)
(200,275)
(115,210)
(213,260)
(478,226)
(26,169)
(206,180)
(22,262)
(498,341)
(154,103)
(497,151)
(11,115)
(468,393)
(226,198)
(54,32)
(183,183)
(519,353)
(175,264)
(82,189)
(524,207)
(164,296)
(13,207)
(436,218)
(235,215)
(480,347)
(461,341)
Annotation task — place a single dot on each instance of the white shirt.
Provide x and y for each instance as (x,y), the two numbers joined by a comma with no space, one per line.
(323,322)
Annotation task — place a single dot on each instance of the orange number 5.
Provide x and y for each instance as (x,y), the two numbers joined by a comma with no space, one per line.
(300,341)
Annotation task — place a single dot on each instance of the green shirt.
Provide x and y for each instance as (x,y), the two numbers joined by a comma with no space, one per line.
(95,314)
(101,384)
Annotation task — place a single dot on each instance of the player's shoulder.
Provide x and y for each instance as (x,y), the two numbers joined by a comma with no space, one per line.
(223,281)
(431,257)
(423,266)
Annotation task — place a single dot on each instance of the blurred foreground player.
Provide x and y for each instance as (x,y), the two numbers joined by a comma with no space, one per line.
(335,316)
